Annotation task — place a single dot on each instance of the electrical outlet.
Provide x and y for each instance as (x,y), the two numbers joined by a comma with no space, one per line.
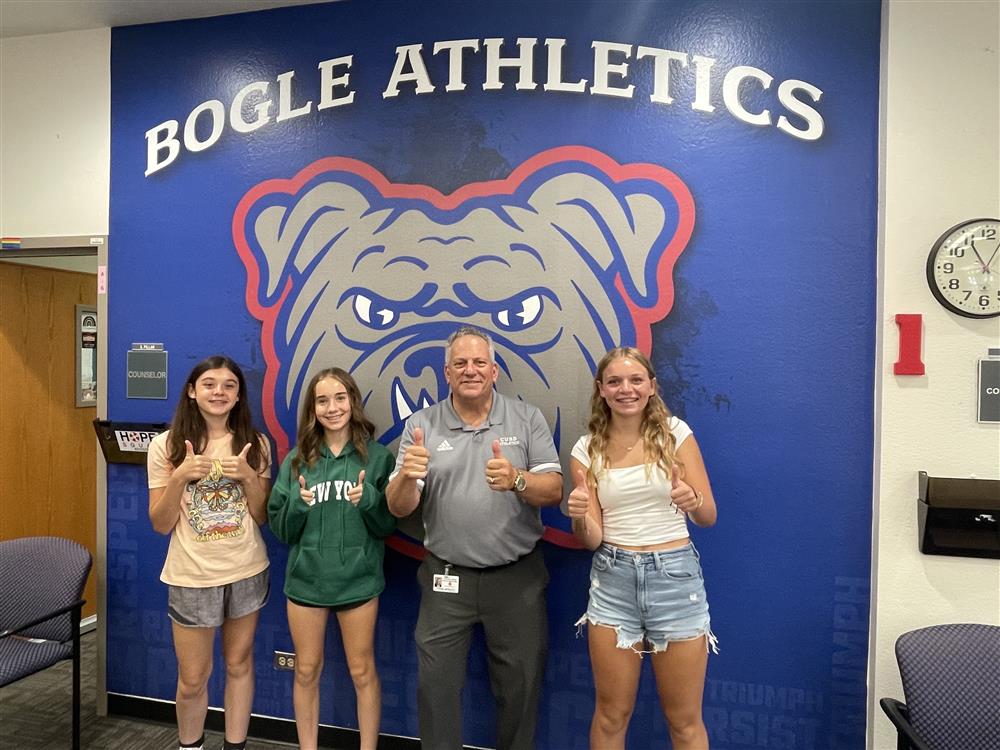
(284,660)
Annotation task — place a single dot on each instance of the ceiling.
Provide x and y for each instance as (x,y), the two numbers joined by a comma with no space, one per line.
(28,17)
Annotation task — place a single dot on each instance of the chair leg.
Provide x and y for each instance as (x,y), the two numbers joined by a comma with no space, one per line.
(76,680)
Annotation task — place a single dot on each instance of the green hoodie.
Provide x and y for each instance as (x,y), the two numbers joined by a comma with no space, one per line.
(336,548)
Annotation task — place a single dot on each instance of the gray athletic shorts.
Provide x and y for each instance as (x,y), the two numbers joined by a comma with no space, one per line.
(209,607)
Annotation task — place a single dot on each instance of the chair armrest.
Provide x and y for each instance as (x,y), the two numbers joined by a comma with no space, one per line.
(900,717)
(49,616)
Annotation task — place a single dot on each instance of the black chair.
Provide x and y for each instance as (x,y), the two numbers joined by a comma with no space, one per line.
(951,682)
(41,585)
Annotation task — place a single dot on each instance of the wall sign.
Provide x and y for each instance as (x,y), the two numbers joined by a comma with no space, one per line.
(86,355)
(989,387)
(146,375)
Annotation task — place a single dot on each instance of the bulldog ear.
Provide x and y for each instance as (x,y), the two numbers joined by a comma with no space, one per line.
(291,233)
(621,228)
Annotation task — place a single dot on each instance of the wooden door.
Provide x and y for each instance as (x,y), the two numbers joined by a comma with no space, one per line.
(47,446)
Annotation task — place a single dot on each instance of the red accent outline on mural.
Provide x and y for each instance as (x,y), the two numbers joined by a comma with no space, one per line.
(642,317)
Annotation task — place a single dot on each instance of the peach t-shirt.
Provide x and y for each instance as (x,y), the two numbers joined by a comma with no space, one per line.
(216,541)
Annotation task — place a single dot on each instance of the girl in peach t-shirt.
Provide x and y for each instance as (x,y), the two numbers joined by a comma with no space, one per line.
(208,486)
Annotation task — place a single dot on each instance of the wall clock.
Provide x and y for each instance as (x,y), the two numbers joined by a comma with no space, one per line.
(963,269)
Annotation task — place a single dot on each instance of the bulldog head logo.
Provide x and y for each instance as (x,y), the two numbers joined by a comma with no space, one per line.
(569,256)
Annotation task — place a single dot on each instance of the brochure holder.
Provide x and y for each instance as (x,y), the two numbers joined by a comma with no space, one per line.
(959,516)
(126,442)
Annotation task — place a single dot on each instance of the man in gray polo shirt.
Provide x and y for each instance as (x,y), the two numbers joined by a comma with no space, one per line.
(480,465)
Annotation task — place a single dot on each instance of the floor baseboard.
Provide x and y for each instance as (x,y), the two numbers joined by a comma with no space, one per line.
(261,727)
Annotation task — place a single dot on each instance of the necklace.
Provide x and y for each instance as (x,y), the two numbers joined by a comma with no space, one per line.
(628,449)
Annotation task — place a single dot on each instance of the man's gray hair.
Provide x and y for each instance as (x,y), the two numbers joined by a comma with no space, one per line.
(469,331)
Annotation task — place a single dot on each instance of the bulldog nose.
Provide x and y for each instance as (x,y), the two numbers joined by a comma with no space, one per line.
(427,358)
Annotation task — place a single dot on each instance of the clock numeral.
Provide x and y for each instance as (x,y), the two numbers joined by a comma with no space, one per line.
(967,295)
(949,267)
(984,300)
(990,233)
(956,252)
(953,284)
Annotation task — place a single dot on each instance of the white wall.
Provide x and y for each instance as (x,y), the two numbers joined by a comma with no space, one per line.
(942,108)
(55,134)
(941,155)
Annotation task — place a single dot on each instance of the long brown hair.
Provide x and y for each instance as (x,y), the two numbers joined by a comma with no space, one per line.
(658,443)
(189,424)
(310,437)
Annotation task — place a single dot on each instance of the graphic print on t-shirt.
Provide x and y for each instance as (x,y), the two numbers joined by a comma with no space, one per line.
(217,506)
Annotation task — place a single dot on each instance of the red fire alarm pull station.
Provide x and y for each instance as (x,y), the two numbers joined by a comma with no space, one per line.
(910,328)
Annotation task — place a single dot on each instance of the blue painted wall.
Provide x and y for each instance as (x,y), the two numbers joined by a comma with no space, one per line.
(741,255)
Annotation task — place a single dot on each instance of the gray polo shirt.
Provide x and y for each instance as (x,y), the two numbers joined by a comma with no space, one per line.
(465,522)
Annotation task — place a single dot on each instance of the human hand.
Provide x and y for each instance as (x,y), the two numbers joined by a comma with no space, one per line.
(236,467)
(416,458)
(354,494)
(308,496)
(579,499)
(499,471)
(193,467)
(682,495)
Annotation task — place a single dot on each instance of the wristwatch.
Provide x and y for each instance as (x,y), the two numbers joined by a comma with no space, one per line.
(519,481)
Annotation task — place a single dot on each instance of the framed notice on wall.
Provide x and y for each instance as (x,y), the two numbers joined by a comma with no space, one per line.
(86,355)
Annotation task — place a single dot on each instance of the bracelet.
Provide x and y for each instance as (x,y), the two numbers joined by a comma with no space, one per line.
(701,501)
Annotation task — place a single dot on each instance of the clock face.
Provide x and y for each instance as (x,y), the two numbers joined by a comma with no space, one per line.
(963,269)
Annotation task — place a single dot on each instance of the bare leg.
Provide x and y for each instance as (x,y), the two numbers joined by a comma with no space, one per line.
(616,681)
(308,628)
(357,630)
(237,650)
(680,681)
(193,647)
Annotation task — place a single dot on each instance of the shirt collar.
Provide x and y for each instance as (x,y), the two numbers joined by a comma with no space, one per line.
(454,422)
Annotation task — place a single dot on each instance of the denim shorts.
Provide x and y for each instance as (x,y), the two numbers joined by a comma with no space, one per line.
(649,597)
(208,607)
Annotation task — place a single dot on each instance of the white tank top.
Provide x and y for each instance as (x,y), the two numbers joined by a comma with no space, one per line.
(635,504)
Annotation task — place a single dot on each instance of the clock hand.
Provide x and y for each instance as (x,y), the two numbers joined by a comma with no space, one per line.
(986,268)
(972,244)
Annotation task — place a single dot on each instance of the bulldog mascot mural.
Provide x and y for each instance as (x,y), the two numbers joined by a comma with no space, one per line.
(571,255)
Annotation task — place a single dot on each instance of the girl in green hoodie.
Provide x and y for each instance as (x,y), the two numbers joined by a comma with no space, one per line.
(328,504)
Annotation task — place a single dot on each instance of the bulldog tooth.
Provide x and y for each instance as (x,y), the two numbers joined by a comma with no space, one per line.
(402,404)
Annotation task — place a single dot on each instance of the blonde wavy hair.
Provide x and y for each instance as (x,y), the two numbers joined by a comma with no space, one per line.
(658,443)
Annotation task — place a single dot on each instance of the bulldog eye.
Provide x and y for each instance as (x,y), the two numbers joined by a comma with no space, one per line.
(373,316)
(519,315)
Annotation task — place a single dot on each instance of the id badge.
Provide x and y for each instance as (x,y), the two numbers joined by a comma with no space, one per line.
(446,584)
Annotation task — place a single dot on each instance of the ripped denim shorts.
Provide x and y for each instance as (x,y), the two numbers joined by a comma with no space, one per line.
(649,597)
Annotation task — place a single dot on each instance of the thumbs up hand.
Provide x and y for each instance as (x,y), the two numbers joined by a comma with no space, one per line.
(416,458)
(579,499)
(193,467)
(682,495)
(308,496)
(355,492)
(236,467)
(500,473)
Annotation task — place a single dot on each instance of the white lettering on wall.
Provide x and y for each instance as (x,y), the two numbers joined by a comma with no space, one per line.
(523,62)
(409,67)
(747,92)
(456,81)
(604,69)
(216,112)
(328,82)
(261,108)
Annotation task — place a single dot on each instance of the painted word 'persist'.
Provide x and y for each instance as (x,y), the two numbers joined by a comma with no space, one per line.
(613,66)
